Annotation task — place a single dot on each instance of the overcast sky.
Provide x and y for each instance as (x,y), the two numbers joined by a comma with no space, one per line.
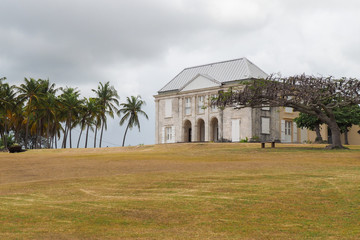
(140,45)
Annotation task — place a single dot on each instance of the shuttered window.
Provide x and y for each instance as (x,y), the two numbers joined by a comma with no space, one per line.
(265,125)
(168,131)
(169,134)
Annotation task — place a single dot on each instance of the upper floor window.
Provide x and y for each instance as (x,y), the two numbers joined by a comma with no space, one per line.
(168,108)
(213,106)
(265,108)
(288,109)
(201,104)
(187,106)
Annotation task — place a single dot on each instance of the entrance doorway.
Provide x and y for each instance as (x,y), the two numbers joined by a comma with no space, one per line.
(200,130)
(187,131)
(214,130)
(288,131)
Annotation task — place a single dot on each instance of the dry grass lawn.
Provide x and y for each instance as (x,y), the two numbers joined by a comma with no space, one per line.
(181,191)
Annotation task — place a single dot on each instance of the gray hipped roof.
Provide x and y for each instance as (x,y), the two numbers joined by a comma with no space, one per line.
(227,71)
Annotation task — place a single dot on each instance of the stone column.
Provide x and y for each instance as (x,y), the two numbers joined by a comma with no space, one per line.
(206,118)
(180,130)
(194,123)
(221,125)
(157,121)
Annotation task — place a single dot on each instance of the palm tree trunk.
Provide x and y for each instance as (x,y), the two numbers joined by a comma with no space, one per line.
(102,130)
(87,135)
(70,134)
(65,135)
(55,141)
(80,137)
(5,135)
(48,132)
(125,134)
(39,133)
(95,137)
(27,133)
(16,135)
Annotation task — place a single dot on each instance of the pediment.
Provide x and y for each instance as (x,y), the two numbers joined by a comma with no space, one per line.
(201,81)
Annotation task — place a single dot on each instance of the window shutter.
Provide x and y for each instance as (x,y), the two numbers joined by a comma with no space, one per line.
(163,135)
(295,139)
(173,134)
(282,130)
(265,125)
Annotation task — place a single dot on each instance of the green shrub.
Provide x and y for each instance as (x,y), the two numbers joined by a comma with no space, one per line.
(244,140)
(15,148)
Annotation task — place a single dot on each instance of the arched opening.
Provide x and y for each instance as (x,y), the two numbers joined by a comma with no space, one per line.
(187,131)
(200,130)
(214,130)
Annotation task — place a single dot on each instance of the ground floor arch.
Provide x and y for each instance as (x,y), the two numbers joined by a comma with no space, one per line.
(187,130)
(214,130)
(200,130)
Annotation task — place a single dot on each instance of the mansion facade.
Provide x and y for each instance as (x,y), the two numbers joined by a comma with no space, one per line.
(184,114)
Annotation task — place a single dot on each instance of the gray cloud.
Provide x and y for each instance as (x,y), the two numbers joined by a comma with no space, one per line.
(140,45)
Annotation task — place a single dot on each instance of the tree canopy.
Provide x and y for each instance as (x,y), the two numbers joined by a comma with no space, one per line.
(35,116)
(316,96)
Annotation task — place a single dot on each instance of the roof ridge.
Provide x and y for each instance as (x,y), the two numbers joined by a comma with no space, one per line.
(233,60)
(223,71)
(251,63)
(171,80)
(247,62)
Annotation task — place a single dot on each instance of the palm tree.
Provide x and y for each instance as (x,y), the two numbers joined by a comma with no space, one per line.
(7,105)
(31,94)
(89,110)
(71,104)
(108,101)
(93,109)
(49,105)
(131,110)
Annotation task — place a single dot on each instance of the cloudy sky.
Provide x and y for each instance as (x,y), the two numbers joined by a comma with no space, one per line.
(140,45)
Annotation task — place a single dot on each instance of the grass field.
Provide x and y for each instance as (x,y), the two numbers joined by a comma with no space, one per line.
(181,191)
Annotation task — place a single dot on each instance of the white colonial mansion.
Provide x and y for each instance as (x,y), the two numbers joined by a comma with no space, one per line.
(183,112)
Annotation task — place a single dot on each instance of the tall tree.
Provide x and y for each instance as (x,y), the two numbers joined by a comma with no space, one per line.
(310,122)
(317,96)
(30,94)
(71,103)
(131,111)
(346,117)
(88,113)
(92,108)
(108,101)
(7,105)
